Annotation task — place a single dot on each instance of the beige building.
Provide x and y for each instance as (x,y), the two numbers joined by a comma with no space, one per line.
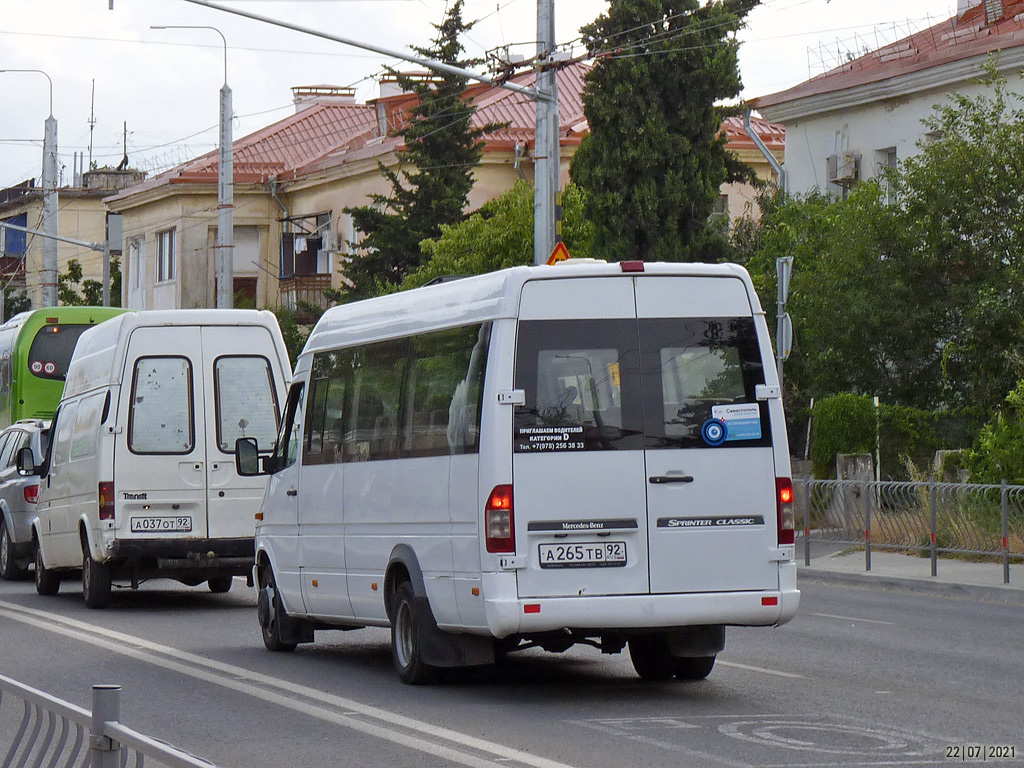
(82,216)
(294,179)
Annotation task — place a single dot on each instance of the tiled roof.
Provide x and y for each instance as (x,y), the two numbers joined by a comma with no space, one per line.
(955,39)
(327,135)
(772,134)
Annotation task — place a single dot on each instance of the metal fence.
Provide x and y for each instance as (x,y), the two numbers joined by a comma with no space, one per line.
(56,734)
(929,519)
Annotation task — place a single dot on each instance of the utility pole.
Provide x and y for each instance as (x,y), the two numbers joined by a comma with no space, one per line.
(225,248)
(547,170)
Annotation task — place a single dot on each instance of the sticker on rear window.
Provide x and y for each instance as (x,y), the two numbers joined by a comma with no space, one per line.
(538,439)
(742,421)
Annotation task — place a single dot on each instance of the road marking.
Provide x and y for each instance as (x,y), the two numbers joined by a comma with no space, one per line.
(766,671)
(249,682)
(850,618)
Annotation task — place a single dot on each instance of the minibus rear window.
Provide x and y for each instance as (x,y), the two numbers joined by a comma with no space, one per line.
(51,350)
(582,386)
(699,377)
(246,400)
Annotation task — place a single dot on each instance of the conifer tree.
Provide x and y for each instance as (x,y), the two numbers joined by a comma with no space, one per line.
(431,185)
(655,158)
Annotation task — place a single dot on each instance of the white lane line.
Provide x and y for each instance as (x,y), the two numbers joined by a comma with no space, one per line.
(763,670)
(241,680)
(851,618)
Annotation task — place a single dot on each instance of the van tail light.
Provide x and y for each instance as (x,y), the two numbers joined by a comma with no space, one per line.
(631,266)
(31,493)
(787,513)
(106,501)
(499,523)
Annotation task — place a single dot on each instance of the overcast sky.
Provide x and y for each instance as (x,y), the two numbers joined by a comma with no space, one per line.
(164,83)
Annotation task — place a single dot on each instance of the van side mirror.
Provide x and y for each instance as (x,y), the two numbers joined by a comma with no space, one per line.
(27,462)
(247,457)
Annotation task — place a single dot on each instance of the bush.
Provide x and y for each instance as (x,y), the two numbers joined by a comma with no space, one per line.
(998,453)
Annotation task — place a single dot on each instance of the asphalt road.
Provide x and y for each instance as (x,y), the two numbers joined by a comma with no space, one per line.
(862,677)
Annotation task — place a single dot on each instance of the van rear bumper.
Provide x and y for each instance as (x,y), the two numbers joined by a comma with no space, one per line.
(513,616)
(185,556)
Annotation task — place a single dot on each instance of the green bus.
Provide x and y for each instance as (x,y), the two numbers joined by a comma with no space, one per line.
(35,351)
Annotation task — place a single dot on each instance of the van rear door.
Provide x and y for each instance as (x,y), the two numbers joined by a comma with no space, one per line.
(710,465)
(642,462)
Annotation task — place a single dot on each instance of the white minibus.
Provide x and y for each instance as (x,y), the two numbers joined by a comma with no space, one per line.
(542,456)
(139,478)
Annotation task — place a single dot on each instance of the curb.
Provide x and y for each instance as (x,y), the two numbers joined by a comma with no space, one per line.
(948,589)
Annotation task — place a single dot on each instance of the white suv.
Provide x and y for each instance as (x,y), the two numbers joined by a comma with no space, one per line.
(18,494)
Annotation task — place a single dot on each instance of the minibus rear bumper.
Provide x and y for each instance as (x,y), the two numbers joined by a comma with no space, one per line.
(507,614)
(181,556)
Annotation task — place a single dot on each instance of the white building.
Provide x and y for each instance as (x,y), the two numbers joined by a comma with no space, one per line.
(847,124)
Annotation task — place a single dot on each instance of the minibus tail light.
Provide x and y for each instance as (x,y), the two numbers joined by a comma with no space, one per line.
(31,493)
(106,494)
(786,509)
(499,525)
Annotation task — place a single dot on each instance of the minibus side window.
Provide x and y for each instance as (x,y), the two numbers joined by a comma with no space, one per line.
(582,386)
(373,426)
(699,377)
(62,442)
(161,419)
(329,383)
(245,400)
(289,438)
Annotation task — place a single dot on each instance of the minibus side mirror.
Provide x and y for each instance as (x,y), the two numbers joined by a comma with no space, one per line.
(247,457)
(27,462)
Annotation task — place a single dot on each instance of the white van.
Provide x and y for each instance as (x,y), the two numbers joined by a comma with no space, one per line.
(139,480)
(540,456)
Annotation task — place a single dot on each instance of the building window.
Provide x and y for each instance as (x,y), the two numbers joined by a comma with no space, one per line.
(885,163)
(165,267)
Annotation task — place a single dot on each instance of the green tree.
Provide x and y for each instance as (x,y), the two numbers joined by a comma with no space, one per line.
(500,235)
(15,302)
(68,283)
(431,186)
(655,157)
(998,453)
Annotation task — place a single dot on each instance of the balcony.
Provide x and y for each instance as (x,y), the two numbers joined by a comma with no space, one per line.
(308,289)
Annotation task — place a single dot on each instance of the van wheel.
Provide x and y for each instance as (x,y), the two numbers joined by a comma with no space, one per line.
(47,582)
(271,614)
(405,641)
(695,668)
(651,657)
(220,584)
(9,569)
(95,582)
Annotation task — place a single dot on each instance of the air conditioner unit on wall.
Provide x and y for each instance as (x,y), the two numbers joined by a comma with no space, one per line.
(329,240)
(843,168)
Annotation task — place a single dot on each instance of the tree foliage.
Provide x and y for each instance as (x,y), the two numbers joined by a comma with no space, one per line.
(916,301)
(998,453)
(655,157)
(500,235)
(431,186)
(70,281)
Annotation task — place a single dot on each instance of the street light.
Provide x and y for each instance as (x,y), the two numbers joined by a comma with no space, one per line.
(225,185)
(50,221)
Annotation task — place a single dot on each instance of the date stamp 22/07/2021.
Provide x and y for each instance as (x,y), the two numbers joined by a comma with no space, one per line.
(979,753)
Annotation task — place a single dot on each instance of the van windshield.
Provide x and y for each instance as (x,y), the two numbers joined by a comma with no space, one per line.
(628,384)
(50,353)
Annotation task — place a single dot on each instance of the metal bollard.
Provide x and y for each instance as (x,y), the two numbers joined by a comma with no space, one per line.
(104,752)
(867,528)
(1004,504)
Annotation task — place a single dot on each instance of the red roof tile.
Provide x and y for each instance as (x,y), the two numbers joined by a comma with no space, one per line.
(952,40)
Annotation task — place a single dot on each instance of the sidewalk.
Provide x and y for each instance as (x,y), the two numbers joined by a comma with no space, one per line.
(890,570)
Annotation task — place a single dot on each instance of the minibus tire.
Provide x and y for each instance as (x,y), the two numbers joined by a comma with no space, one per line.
(651,657)
(9,568)
(95,582)
(47,582)
(275,616)
(220,584)
(405,640)
(696,668)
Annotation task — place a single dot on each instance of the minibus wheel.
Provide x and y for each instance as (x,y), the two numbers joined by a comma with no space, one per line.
(271,614)
(220,584)
(695,668)
(95,582)
(47,582)
(651,657)
(405,641)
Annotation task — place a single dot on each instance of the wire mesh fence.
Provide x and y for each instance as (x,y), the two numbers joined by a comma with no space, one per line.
(929,519)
